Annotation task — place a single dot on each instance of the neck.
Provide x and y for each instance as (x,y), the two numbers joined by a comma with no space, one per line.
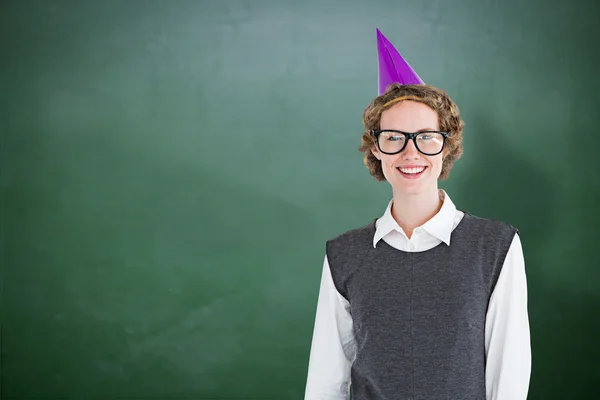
(413,210)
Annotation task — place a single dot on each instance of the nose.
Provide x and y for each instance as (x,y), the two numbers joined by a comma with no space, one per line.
(410,152)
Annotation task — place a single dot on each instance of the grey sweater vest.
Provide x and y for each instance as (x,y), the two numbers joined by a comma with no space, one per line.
(419,318)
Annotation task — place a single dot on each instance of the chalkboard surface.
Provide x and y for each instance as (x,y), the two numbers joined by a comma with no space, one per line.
(170,171)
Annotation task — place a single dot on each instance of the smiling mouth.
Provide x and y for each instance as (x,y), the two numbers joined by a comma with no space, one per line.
(411,172)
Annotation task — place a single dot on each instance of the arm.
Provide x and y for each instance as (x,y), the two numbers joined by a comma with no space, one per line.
(333,348)
(507,338)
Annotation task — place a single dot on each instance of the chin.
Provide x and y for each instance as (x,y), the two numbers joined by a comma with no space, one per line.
(411,189)
(417,186)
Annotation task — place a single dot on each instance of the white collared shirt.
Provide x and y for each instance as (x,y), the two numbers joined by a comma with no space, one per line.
(507,338)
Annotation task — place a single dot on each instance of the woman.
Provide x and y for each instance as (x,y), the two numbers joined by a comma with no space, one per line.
(427,301)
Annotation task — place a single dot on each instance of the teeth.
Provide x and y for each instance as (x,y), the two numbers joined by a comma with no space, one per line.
(412,170)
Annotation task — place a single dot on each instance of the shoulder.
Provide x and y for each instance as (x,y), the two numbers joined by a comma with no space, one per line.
(489,224)
(355,234)
(494,232)
(351,243)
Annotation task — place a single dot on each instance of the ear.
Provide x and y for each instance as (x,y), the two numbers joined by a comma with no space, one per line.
(376,152)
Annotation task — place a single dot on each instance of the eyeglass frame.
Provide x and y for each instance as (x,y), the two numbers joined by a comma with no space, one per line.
(409,136)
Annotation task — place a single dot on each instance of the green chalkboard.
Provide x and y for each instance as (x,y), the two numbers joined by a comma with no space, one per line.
(170,171)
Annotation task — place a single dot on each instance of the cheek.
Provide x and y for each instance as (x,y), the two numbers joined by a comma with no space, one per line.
(437,160)
(386,165)
(437,165)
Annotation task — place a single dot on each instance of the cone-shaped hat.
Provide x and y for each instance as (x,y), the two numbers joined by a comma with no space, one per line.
(392,66)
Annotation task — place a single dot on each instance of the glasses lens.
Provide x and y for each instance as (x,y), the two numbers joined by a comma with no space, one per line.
(430,142)
(391,142)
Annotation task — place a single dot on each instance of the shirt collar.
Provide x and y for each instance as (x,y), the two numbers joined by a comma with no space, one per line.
(439,226)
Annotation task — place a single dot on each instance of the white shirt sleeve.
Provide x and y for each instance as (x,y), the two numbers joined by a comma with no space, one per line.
(333,347)
(507,337)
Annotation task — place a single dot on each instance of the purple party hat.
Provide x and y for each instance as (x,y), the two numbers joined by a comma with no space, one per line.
(392,66)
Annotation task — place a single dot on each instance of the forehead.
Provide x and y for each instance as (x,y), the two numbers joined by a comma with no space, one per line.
(409,116)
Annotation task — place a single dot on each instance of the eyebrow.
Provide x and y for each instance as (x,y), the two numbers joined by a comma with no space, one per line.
(426,129)
(420,130)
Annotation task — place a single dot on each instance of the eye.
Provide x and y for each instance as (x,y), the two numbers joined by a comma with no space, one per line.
(392,136)
(396,137)
(429,136)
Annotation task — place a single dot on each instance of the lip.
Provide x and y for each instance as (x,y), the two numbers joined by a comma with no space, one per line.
(411,176)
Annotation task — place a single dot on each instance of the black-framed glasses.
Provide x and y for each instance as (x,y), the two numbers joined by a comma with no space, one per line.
(390,141)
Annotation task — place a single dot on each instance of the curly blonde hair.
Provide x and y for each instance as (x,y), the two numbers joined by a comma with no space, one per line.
(448,116)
